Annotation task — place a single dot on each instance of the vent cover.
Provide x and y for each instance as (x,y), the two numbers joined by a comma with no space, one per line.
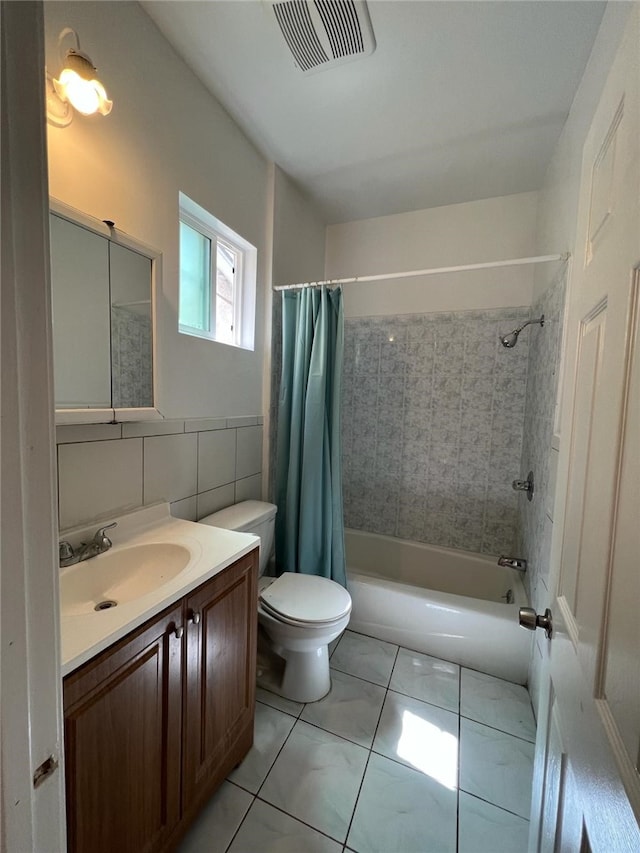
(324,33)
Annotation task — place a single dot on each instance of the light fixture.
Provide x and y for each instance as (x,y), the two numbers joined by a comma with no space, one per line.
(77,86)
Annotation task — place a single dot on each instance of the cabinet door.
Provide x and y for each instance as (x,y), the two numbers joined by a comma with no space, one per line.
(123,741)
(220,678)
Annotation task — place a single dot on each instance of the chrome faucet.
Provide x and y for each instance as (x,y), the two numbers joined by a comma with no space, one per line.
(99,544)
(518,563)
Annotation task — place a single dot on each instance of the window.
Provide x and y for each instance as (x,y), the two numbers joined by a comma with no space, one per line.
(217,279)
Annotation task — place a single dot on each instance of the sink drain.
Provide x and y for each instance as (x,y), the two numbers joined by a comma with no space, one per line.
(106,605)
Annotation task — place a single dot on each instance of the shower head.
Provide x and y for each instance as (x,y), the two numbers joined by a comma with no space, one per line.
(511,339)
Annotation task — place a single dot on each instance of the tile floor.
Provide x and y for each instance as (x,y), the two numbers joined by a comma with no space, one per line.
(406,753)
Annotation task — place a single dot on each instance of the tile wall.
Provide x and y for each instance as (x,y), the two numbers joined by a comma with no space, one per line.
(540,449)
(432,427)
(199,466)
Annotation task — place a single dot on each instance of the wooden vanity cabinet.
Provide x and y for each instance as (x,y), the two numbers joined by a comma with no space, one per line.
(220,683)
(123,723)
(156,722)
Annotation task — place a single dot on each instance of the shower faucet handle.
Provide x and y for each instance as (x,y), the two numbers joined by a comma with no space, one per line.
(513,562)
(524,486)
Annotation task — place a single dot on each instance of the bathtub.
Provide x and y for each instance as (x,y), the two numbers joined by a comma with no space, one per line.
(446,603)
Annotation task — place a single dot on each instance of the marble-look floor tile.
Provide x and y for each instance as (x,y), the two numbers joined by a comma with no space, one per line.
(267,830)
(497,703)
(430,679)
(279,702)
(365,657)
(334,643)
(350,709)
(421,736)
(218,821)
(399,809)
(483,828)
(271,729)
(316,779)
(496,766)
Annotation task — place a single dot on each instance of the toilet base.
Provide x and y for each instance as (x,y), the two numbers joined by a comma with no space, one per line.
(306,675)
(298,676)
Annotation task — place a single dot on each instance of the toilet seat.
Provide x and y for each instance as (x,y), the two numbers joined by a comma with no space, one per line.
(298,599)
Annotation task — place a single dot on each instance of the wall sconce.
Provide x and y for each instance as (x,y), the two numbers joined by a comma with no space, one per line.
(77,86)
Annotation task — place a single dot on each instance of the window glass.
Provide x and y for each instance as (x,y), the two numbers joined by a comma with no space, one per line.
(195,279)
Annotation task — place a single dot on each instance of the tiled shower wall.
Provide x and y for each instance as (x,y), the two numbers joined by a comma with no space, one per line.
(199,466)
(432,427)
(538,452)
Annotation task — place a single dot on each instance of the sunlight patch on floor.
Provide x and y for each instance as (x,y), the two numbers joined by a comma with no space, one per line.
(429,749)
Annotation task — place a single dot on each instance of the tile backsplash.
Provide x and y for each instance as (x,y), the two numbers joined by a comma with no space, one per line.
(538,454)
(198,465)
(433,413)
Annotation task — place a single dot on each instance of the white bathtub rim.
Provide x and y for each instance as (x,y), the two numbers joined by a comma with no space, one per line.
(487,637)
(434,567)
(490,559)
(445,598)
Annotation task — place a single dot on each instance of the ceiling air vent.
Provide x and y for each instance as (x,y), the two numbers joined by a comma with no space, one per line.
(324,33)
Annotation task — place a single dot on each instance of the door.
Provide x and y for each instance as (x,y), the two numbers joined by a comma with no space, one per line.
(122,742)
(31,815)
(586,785)
(220,678)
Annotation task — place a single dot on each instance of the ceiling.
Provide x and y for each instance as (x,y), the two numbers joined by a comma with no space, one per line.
(460,100)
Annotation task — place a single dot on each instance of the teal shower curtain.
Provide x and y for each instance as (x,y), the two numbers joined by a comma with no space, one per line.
(309,523)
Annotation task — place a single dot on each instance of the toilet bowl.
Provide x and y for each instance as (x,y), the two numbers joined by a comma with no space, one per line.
(299,614)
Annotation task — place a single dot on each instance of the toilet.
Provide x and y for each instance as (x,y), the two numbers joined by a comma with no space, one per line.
(299,614)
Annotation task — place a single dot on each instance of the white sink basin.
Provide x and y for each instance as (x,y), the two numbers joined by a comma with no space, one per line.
(119,576)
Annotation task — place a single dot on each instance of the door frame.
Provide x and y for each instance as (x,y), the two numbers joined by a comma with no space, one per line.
(32,818)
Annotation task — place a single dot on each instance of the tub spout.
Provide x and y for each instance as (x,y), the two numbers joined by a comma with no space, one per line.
(513,563)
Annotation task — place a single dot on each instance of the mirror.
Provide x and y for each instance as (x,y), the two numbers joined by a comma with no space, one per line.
(102,299)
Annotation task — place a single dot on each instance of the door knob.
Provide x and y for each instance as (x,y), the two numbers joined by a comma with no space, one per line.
(531,620)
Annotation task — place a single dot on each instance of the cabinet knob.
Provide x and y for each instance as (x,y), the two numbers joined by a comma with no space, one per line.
(194,617)
(178,632)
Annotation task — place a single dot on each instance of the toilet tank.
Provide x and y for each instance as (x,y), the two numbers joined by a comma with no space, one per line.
(255,517)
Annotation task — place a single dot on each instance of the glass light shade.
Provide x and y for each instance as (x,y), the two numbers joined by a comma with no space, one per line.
(86,96)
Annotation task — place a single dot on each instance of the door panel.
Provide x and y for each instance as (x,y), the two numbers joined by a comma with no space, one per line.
(122,734)
(554,782)
(590,345)
(220,694)
(620,683)
(587,753)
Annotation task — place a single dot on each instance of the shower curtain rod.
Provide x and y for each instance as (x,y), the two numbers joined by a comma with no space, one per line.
(540,259)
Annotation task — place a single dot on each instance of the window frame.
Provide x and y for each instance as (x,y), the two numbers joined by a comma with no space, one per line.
(244,282)
(236,301)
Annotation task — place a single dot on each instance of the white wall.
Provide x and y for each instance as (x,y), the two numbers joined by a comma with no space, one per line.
(166,133)
(479,231)
(298,234)
(298,241)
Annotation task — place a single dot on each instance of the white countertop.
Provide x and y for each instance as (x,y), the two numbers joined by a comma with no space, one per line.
(212,550)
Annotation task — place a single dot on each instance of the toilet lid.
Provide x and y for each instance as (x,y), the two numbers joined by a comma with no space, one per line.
(306,598)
